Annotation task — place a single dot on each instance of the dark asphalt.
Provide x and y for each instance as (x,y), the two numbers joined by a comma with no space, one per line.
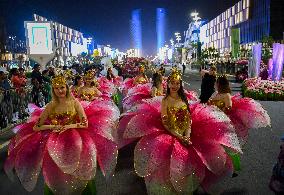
(259,156)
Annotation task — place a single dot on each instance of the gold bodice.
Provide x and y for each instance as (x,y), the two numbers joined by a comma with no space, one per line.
(140,80)
(65,118)
(88,95)
(219,103)
(75,90)
(178,119)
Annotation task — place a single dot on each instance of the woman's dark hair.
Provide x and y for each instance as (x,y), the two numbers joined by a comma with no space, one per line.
(157,79)
(223,85)
(44,72)
(77,78)
(181,94)
(109,74)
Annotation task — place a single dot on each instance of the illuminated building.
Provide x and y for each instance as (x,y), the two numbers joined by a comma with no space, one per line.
(69,42)
(246,22)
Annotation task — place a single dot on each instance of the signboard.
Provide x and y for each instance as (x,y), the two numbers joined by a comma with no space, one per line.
(235,42)
(39,36)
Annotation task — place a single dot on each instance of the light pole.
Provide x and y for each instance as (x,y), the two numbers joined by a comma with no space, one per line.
(178,36)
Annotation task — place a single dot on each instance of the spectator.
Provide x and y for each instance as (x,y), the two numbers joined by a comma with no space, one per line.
(17,80)
(207,85)
(277,179)
(4,82)
(46,86)
(183,68)
(36,75)
(51,71)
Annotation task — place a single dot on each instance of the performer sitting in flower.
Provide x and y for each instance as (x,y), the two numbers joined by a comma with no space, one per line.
(89,91)
(141,78)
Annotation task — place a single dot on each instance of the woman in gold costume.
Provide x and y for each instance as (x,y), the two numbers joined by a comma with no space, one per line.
(141,78)
(181,146)
(175,110)
(78,83)
(64,140)
(89,91)
(222,98)
(157,87)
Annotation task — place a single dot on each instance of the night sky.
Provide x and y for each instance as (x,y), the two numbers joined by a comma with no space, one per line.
(108,20)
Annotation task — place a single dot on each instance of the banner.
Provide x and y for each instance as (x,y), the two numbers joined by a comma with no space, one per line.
(235,41)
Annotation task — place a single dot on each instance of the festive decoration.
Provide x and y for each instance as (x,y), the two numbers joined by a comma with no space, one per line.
(264,89)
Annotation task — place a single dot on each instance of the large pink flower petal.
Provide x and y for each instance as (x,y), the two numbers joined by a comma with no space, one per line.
(141,125)
(142,154)
(107,152)
(209,123)
(65,150)
(187,169)
(120,140)
(14,147)
(130,101)
(246,114)
(88,160)
(161,155)
(29,160)
(211,178)
(212,155)
(59,182)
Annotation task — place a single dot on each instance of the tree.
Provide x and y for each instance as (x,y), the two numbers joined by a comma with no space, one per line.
(267,43)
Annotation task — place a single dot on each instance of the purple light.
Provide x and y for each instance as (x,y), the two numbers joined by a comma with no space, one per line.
(270,68)
(278,60)
(256,50)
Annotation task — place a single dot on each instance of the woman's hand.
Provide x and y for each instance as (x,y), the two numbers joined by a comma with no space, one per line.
(59,128)
(186,140)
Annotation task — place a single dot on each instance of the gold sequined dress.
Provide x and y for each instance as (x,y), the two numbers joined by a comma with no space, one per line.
(178,119)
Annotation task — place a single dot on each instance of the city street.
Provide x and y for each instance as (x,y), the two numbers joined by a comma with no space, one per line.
(260,154)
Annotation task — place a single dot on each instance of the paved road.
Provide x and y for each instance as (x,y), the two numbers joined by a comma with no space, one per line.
(259,156)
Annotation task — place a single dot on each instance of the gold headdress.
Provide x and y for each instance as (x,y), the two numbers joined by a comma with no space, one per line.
(58,80)
(142,68)
(89,75)
(175,75)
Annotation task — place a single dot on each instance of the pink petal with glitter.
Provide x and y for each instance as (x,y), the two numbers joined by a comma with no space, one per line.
(142,153)
(187,169)
(137,127)
(212,155)
(29,160)
(59,182)
(119,139)
(107,152)
(211,178)
(88,160)
(65,150)
(14,147)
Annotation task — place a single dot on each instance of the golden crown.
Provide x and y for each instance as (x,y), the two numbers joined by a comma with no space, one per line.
(142,68)
(175,75)
(58,80)
(89,74)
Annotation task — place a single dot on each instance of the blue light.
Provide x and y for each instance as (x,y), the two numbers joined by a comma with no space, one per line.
(136,29)
(160,27)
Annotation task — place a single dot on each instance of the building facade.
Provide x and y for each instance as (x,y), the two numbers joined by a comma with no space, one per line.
(69,42)
(246,22)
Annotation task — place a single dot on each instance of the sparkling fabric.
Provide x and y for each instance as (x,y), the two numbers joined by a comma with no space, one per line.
(245,114)
(68,159)
(169,166)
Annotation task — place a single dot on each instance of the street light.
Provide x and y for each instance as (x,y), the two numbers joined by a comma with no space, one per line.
(178,37)
(172,42)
